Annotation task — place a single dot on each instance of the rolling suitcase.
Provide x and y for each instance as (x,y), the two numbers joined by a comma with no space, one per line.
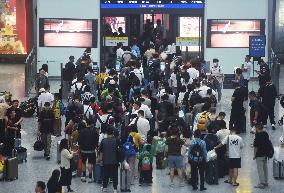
(58,153)
(124,180)
(278,169)
(22,154)
(11,169)
(97,173)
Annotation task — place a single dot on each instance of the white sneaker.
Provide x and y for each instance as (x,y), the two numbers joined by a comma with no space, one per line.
(114,191)
(264,126)
(104,190)
(91,180)
(83,179)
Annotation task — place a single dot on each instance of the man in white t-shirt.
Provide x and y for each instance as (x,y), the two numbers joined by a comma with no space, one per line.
(143,125)
(247,68)
(139,106)
(44,97)
(217,72)
(204,88)
(234,145)
(193,73)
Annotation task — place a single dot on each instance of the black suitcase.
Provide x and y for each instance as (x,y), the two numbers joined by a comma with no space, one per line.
(11,169)
(211,172)
(159,160)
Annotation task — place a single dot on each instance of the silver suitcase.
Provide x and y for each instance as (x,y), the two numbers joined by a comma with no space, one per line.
(278,169)
(125,180)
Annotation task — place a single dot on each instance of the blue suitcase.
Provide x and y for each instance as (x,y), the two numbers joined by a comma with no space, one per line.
(97,173)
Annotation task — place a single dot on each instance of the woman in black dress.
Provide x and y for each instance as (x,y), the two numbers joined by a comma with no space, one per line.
(53,185)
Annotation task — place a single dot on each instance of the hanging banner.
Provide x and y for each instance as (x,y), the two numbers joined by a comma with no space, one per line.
(113,41)
(187,41)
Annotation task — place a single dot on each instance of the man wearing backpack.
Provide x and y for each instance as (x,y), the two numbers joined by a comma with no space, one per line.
(46,121)
(74,109)
(78,87)
(197,156)
(261,146)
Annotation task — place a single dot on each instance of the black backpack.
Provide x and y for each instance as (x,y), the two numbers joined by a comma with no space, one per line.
(104,125)
(195,98)
(270,150)
(197,153)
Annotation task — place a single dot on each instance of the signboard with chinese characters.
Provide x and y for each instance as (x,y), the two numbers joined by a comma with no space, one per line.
(113,41)
(257,46)
(187,41)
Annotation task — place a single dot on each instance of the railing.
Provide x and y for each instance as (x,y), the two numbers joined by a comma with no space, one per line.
(274,66)
(30,71)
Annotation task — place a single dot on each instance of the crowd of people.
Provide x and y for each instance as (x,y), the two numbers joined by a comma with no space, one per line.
(155,108)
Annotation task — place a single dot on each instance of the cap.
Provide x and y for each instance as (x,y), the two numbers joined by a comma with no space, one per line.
(42,90)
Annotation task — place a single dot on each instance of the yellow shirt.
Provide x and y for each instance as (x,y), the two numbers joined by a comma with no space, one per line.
(136,138)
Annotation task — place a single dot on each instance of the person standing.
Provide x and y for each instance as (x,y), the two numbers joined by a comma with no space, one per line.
(109,156)
(53,184)
(246,68)
(256,111)
(234,145)
(91,80)
(197,156)
(41,82)
(88,142)
(3,110)
(46,121)
(175,158)
(268,95)
(237,111)
(217,72)
(263,73)
(57,115)
(66,172)
(261,144)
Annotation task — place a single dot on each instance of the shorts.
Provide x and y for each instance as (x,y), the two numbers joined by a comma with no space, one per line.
(91,157)
(234,163)
(175,162)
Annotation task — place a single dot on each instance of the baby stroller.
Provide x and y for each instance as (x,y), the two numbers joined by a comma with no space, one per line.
(29,107)
(281,99)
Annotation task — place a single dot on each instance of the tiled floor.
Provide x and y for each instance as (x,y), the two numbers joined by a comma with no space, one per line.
(38,169)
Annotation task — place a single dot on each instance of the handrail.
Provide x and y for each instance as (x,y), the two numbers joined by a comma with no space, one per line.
(30,70)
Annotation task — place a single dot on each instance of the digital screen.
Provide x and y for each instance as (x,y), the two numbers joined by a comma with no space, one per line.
(67,33)
(233,33)
(152,4)
(114,23)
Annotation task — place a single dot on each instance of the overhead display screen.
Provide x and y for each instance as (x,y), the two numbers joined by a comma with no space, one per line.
(61,32)
(152,4)
(233,33)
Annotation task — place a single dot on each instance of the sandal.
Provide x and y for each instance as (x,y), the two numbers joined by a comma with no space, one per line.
(236,184)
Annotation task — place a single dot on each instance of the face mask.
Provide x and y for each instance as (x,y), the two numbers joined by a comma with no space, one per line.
(215,64)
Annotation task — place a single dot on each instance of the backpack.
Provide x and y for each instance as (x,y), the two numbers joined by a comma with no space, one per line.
(133,78)
(160,146)
(104,125)
(203,121)
(71,111)
(197,153)
(146,163)
(270,150)
(128,148)
(195,98)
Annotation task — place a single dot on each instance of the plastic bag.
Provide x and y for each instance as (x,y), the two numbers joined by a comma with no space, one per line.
(211,155)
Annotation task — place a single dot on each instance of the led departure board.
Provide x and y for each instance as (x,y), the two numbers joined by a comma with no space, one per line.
(152,4)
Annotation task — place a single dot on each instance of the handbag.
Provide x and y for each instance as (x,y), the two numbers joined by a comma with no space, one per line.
(38,145)
(211,155)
